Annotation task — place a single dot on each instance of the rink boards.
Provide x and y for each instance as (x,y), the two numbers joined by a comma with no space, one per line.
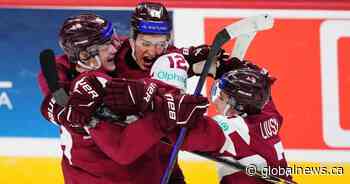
(34,170)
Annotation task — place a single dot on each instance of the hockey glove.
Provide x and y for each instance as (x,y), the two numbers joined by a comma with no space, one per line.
(84,99)
(126,97)
(179,110)
(196,56)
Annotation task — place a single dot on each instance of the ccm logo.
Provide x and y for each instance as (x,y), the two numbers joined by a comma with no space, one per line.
(149,92)
(50,109)
(171,106)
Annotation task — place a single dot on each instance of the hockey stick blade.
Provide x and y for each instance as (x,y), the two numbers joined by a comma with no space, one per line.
(245,31)
(242,44)
(48,67)
(250,25)
(220,38)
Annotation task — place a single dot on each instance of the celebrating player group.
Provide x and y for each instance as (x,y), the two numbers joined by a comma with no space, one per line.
(121,102)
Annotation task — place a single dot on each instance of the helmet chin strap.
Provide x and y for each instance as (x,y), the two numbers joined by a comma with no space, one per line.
(226,109)
(99,62)
(87,67)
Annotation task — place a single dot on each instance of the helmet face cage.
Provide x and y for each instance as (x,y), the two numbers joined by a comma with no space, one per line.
(247,90)
(85,32)
(150,18)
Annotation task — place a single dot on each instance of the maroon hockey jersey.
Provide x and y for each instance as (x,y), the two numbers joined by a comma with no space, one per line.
(251,140)
(110,153)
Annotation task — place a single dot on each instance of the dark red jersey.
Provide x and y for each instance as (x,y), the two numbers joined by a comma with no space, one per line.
(128,68)
(251,140)
(108,153)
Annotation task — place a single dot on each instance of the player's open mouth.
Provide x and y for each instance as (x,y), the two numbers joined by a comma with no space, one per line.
(110,60)
(148,62)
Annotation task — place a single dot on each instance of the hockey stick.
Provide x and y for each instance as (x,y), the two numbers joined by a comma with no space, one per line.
(220,38)
(48,67)
(252,25)
(244,26)
(242,44)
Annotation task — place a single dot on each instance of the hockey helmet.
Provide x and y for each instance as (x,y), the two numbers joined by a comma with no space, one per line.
(248,89)
(150,18)
(84,32)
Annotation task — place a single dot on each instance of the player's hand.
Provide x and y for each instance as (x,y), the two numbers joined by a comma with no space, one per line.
(199,53)
(179,110)
(85,97)
(125,97)
(196,56)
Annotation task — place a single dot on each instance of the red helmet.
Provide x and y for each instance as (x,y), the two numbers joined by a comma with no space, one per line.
(80,33)
(150,18)
(248,89)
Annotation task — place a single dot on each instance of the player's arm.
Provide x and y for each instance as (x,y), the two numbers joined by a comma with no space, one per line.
(188,110)
(205,136)
(168,113)
(129,97)
(196,56)
(126,144)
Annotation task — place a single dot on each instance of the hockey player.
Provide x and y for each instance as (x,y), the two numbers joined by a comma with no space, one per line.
(78,57)
(249,122)
(106,152)
(70,65)
(248,128)
(151,37)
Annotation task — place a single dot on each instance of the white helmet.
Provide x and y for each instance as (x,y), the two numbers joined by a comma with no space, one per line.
(171,69)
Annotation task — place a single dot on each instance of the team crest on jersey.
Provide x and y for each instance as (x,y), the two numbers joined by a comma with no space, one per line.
(221,120)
